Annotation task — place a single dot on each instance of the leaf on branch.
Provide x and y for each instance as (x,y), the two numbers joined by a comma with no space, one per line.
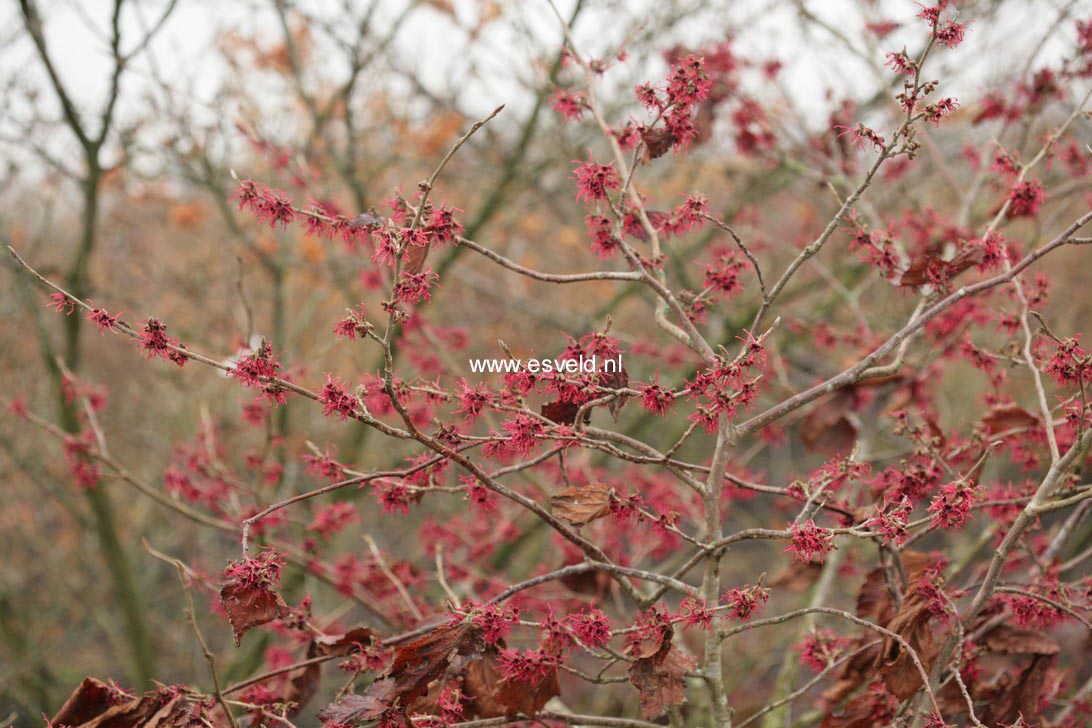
(1011,640)
(343,644)
(871,708)
(930,268)
(615,380)
(582,504)
(95,704)
(827,429)
(351,709)
(305,683)
(91,699)
(876,604)
(1006,417)
(480,686)
(597,584)
(413,260)
(494,696)
(661,678)
(797,577)
(1018,696)
(563,413)
(657,143)
(418,663)
(899,671)
(526,698)
(250,605)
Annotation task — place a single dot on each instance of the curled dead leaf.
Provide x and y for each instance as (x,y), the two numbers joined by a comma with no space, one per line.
(413,260)
(1007,417)
(1010,640)
(95,704)
(419,662)
(657,143)
(661,678)
(582,504)
(249,606)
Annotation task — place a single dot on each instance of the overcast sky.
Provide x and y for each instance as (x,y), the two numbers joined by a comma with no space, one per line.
(431,44)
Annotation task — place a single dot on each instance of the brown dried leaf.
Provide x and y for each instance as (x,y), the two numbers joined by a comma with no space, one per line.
(861,712)
(343,644)
(413,260)
(661,679)
(175,714)
(874,603)
(853,673)
(615,380)
(352,708)
(302,687)
(1020,696)
(657,143)
(1017,641)
(1005,417)
(597,584)
(480,686)
(703,122)
(418,663)
(917,274)
(899,671)
(305,683)
(798,576)
(447,7)
(250,606)
(94,704)
(88,701)
(563,413)
(525,698)
(826,429)
(582,503)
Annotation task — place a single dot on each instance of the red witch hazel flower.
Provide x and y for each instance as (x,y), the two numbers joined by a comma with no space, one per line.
(495,622)
(952,506)
(604,241)
(722,276)
(353,325)
(1070,366)
(61,303)
(527,666)
(1025,198)
(478,494)
(154,342)
(655,398)
(688,83)
(594,181)
(570,105)
(415,287)
(103,320)
(746,602)
(809,541)
(523,433)
(861,134)
(255,368)
(443,227)
(264,570)
(267,205)
(592,627)
(79,456)
(335,400)
(820,648)
(694,612)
